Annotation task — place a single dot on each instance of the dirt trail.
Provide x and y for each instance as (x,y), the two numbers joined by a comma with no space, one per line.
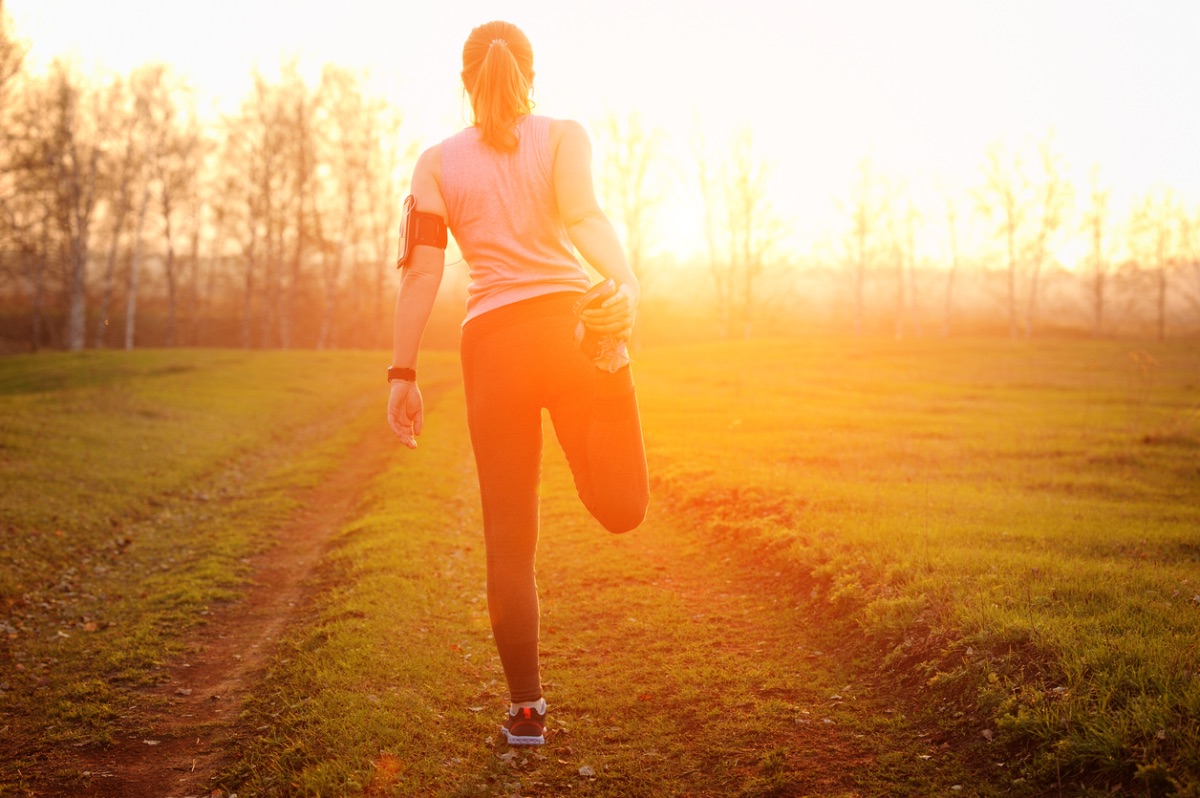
(191,740)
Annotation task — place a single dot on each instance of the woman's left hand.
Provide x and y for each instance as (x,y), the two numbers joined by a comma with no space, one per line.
(406,412)
(616,314)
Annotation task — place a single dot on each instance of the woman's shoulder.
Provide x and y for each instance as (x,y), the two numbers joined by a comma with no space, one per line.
(431,159)
(565,128)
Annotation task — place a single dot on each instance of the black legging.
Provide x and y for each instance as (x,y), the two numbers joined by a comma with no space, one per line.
(516,360)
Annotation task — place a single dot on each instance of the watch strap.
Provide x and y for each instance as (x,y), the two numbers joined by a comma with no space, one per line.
(405,375)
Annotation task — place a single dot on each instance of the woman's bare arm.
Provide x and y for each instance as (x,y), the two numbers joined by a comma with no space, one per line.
(589,228)
(419,283)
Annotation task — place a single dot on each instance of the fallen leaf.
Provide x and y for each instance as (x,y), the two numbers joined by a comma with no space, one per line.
(151,742)
(475,709)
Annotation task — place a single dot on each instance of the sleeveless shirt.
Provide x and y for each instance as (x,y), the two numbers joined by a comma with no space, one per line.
(503,212)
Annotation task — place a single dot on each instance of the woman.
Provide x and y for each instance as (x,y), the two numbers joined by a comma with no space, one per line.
(515,189)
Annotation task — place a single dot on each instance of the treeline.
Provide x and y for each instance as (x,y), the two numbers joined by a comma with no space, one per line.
(128,220)
(1018,251)
(270,227)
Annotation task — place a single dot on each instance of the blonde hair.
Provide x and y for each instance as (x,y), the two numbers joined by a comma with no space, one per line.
(498,76)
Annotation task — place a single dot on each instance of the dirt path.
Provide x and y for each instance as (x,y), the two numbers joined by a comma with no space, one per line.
(183,746)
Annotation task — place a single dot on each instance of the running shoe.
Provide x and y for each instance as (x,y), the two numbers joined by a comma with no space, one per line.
(608,352)
(525,726)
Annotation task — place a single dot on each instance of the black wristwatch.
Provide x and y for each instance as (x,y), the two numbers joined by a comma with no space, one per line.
(405,375)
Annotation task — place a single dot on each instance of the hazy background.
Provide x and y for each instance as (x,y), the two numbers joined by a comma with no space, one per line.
(921,87)
(905,168)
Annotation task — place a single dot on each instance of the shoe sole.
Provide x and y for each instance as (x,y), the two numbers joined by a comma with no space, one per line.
(516,739)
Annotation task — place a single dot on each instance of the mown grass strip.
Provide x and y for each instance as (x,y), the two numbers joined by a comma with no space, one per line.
(1009,528)
(136,485)
(671,667)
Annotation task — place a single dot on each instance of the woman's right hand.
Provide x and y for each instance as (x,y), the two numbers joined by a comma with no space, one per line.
(406,412)
(616,314)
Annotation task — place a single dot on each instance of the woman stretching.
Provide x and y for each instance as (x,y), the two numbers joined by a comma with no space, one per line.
(515,190)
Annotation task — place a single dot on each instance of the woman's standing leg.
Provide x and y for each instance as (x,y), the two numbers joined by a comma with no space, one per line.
(505,421)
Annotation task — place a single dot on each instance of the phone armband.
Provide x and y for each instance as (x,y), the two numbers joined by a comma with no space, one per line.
(416,227)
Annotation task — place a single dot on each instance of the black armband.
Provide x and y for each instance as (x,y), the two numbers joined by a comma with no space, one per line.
(417,227)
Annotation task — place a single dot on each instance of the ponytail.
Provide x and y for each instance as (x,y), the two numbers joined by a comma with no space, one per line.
(498,76)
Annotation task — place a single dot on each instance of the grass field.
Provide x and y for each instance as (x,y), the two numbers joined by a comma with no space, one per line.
(877,545)
(1012,530)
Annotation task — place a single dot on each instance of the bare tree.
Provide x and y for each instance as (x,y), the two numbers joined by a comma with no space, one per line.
(864,208)
(1154,240)
(135,263)
(122,171)
(1053,199)
(953,222)
(179,150)
(714,234)
(252,166)
(344,115)
(71,152)
(19,257)
(1095,224)
(12,55)
(298,131)
(1189,248)
(753,227)
(902,220)
(1003,200)
(388,163)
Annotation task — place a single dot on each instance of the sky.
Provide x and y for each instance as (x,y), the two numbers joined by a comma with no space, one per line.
(921,87)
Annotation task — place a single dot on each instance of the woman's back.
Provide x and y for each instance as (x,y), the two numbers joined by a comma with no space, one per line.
(503,212)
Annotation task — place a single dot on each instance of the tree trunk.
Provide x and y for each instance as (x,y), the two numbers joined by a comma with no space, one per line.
(1098,272)
(36,271)
(83,197)
(1031,308)
(948,301)
(1162,302)
(110,269)
(134,268)
(1012,281)
(948,304)
(248,287)
(172,293)
(110,263)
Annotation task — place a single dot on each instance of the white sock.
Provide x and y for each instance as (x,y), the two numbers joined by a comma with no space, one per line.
(539,706)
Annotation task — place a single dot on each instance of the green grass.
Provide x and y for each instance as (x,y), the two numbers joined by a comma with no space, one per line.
(988,550)
(1010,528)
(135,487)
(654,650)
